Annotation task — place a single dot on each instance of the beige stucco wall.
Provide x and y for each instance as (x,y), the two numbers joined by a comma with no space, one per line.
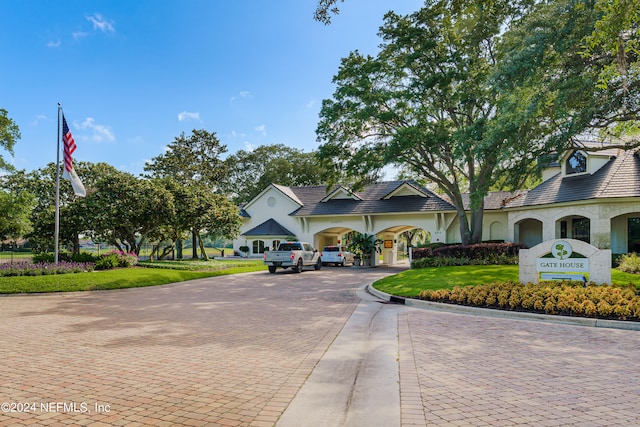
(600,213)
(261,210)
(494,227)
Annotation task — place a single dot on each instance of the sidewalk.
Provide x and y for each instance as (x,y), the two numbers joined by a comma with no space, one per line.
(394,365)
(356,381)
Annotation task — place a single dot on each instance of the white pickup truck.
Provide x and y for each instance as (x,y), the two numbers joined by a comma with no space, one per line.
(293,254)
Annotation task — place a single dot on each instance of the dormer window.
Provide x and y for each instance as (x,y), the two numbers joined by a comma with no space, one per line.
(576,163)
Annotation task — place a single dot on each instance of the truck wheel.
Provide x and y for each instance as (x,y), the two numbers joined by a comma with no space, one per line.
(299,266)
(318,265)
(272,269)
(343,262)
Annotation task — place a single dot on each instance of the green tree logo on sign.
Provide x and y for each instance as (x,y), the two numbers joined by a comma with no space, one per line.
(561,250)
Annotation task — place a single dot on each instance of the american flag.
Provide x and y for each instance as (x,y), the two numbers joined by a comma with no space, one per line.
(69,148)
(69,145)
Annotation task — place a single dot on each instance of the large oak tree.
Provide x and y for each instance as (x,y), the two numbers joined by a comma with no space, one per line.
(426,102)
(251,171)
(569,71)
(194,161)
(470,95)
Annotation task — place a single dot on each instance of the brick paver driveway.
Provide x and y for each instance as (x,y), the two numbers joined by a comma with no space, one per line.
(229,351)
(235,350)
(462,370)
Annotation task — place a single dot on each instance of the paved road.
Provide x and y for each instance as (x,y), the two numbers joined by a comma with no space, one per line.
(251,349)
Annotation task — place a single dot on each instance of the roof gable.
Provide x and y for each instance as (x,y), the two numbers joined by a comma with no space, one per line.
(286,191)
(405,189)
(340,193)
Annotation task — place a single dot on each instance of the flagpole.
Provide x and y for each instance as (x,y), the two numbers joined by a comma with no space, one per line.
(57,227)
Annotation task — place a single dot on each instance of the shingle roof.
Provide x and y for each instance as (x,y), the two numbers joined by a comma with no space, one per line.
(371,201)
(620,177)
(496,199)
(270,227)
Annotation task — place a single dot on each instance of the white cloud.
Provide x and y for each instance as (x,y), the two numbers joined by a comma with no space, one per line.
(54,43)
(99,133)
(244,94)
(39,118)
(311,103)
(187,115)
(79,34)
(100,23)
(249,146)
(262,129)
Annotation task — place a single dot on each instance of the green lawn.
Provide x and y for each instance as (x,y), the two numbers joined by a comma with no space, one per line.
(116,279)
(409,283)
(8,255)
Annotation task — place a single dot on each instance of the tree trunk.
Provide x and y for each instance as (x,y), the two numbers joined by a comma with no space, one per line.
(165,251)
(194,239)
(410,235)
(476,226)
(154,251)
(202,250)
(179,249)
(465,232)
(76,244)
(117,245)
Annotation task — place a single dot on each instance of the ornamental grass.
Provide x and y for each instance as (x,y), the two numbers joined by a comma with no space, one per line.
(562,298)
(629,263)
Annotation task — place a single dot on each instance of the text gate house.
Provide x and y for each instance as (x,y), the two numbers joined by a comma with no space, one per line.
(565,259)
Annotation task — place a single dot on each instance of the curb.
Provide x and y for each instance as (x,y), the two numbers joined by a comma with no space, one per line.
(505,314)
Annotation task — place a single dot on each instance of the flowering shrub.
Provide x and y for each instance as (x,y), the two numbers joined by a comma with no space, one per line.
(564,298)
(44,268)
(115,259)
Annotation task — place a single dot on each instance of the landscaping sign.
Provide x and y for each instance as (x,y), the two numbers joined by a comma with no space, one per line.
(566,259)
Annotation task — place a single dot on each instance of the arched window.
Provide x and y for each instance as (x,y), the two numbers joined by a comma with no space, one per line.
(576,163)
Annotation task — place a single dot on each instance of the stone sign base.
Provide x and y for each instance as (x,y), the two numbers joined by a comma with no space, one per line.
(599,260)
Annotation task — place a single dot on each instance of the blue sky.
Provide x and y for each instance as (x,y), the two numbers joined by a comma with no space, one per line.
(133,75)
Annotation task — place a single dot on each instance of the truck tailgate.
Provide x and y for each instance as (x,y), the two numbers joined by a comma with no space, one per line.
(277,256)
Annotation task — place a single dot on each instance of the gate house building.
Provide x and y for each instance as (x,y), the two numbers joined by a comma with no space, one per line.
(593,196)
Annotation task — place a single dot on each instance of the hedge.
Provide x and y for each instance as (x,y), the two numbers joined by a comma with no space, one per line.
(483,253)
(564,298)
